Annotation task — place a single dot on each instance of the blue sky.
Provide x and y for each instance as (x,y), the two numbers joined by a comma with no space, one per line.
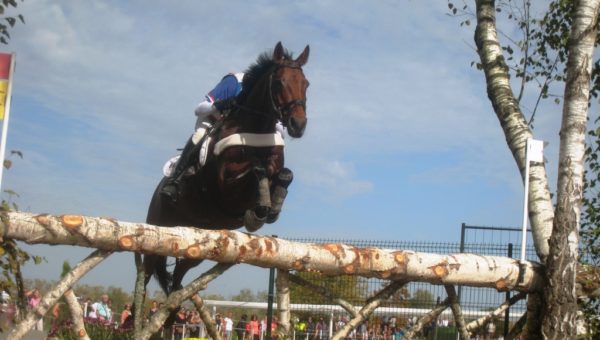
(401,143)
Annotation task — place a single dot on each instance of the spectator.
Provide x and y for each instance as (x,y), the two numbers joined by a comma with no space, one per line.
(240,328)
(125,313)
(153,309)
(102,309)
(491,329)
(253,328)
(228,325)
(218,322)
(274,328)
(88,311)
(195,323)
(321,330)
(178,326)
(33,300)
(310,327)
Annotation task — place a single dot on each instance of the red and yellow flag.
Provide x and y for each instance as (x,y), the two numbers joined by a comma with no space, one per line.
(5,77)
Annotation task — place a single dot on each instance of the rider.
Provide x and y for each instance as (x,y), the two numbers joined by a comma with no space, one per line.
(217,101)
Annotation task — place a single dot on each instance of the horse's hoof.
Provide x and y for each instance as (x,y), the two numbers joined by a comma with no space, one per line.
(272,218)
(253,222)
(285,177)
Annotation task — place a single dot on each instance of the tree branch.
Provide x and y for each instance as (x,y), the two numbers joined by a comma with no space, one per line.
(456,310)
(475,324)
(53,295)
(427,318)
(76,315)
(368,308)
(324,292)
(177,297)
(209,323)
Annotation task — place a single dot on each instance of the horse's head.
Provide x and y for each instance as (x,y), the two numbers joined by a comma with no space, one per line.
(274,88)
(288,89)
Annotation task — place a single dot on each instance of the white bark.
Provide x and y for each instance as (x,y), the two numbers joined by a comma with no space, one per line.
(175,299)
(561,305)
(207,319)
(76,315)
(496,313)
(236,247)
(368,308)
(457,312)
(514,125)
(426,319)
(283,300)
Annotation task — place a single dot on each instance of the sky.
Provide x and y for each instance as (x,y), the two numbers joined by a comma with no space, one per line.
(401,144)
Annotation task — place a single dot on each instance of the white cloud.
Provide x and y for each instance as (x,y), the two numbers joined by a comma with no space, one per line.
(336,179)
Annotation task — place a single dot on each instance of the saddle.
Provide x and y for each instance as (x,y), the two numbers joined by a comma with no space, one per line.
(205,144)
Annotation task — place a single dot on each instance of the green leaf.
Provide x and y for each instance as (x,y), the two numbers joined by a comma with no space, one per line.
(7,163)
(11,21)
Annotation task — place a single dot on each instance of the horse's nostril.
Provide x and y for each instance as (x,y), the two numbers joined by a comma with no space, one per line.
(297,124)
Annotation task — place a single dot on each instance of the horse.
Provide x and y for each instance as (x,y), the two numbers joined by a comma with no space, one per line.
(243,181)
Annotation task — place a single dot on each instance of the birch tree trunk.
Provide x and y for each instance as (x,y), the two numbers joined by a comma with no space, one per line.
(232,247)
(561,267)
(514,125)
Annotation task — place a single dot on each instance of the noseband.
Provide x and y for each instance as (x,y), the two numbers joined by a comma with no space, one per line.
(283,109)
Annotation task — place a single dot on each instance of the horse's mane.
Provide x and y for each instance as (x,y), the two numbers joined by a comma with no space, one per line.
(254,72)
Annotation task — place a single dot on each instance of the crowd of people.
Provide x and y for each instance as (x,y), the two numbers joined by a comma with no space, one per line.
(189,324)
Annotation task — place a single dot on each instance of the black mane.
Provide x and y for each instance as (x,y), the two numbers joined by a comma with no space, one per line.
(254,72)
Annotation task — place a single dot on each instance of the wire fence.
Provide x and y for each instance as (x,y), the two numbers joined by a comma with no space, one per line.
(417,298)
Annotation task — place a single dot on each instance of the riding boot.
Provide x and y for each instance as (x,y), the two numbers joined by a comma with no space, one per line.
(171,188)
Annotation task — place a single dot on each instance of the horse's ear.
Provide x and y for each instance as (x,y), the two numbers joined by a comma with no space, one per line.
(303,57)
(278,54)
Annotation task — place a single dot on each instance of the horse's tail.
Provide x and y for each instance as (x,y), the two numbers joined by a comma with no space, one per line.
(165,279)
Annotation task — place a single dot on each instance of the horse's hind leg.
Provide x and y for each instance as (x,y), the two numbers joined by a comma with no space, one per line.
(181,267)
(280,185)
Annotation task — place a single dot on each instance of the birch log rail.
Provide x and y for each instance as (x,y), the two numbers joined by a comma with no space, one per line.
(227,246)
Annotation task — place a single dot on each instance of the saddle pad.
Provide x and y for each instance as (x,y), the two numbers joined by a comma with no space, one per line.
(249,139)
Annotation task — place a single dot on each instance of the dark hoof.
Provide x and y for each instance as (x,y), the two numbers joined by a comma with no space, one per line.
(253,222)
(272,218)
(285,177)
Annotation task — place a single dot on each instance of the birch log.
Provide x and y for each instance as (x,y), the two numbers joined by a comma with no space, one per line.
(209,323)
(76,315)
(61,287)
(283,301)
(227,246)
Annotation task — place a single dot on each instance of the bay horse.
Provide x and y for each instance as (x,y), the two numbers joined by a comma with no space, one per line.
(243,181)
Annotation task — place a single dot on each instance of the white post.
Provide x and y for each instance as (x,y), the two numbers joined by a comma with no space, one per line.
(534,152)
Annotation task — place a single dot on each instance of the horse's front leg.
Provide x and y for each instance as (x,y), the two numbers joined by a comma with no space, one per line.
(256,218)
(279,192)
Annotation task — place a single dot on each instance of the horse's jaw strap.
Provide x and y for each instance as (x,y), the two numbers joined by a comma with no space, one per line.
(249,139)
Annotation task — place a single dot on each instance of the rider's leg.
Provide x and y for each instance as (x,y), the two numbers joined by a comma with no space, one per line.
(171,187)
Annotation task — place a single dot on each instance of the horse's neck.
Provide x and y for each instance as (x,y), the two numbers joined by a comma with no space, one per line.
(253,117)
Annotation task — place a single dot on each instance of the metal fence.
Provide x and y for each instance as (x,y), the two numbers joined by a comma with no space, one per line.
(417,298)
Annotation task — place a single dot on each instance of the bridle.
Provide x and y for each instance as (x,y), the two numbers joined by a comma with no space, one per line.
(280,110)
(283,109)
